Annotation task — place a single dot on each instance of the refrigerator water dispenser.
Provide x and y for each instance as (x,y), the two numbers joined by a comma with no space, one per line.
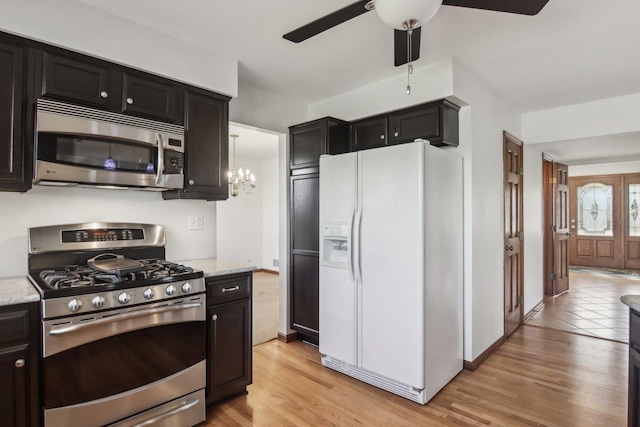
(335,245)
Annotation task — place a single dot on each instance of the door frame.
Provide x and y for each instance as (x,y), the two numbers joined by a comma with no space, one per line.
(549,250)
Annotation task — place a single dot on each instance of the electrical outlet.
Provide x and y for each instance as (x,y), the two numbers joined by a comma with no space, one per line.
(276,262)
(196,222)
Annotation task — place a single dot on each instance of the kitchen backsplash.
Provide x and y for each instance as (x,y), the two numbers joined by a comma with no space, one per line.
(53,205)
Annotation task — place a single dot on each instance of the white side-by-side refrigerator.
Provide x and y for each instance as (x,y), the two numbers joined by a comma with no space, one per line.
(391,267)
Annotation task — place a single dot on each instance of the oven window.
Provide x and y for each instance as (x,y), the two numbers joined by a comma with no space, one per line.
(97,153)
(116,364)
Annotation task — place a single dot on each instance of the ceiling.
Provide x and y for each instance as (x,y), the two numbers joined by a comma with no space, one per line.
(573,51)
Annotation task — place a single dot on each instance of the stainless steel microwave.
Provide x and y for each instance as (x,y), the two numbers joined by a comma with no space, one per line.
(87,147)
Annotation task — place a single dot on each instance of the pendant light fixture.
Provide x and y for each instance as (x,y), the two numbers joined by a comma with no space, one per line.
(406,15)
(238,178)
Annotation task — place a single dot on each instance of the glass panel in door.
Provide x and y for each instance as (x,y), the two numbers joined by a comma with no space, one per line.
(632,221)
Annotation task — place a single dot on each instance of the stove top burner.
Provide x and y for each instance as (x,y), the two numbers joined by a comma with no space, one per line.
(76,276)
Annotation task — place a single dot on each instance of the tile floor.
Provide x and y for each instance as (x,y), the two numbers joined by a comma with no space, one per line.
(591,307)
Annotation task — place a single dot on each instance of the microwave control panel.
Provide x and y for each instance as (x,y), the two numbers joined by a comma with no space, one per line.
(173,162)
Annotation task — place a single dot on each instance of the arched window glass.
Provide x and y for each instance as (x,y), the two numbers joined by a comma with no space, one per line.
(634,210)
(595,209)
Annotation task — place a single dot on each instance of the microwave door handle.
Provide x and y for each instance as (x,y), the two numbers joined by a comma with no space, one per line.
(160,158)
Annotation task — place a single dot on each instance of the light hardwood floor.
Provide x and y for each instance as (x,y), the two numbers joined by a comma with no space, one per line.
(539,377)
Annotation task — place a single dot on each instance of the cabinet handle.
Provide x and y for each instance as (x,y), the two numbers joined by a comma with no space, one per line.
(235,288)
(382,136)
(104,94)
(396,134)
(191,182)
(214,317)
(129,101)
(20,363)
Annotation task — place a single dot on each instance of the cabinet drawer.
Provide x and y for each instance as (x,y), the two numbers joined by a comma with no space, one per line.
(228,288)
(14,325)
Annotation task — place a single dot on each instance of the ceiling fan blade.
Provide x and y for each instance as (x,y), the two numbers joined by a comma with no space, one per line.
(400,46)
(522,7)
(327,21)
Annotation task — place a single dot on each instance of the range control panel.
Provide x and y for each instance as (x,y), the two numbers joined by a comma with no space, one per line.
(102,235)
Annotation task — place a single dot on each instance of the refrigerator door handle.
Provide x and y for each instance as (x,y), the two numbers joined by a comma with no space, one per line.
(350,245)
(356,239)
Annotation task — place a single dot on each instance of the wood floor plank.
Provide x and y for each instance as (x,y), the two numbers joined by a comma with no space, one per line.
(539,377)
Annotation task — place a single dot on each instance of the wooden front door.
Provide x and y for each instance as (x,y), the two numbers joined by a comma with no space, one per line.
(631,190)
(560,229)
(513,259)
(595,207)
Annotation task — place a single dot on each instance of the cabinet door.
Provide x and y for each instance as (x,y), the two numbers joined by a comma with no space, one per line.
(148,97)
(306,143)
(305,256)
(417,123)
(369,133)
(229,359)
(79,81)
(14,407)
(207,149)
(12,142)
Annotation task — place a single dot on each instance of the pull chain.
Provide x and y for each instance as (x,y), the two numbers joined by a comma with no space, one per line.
(409,64)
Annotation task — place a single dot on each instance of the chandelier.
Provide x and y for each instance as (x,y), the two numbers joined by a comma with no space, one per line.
(238,178)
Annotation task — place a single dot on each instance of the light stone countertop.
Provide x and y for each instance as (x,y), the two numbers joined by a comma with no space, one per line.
(633,301)
(216,267)
(17,290)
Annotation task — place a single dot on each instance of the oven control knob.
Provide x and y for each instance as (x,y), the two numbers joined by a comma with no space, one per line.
(170,290)
(97,302)
(124,298)
(148,293)
(186,288)
(75,304)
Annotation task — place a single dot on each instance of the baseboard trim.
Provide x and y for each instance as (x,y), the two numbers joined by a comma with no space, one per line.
(472,366)
(293,336)
(264,270)
(533,311)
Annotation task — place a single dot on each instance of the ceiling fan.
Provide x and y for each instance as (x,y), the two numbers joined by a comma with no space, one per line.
(407,16)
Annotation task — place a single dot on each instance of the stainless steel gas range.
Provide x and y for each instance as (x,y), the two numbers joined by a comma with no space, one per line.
(123,330)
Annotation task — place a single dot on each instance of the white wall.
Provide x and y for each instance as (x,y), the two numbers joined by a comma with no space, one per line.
(79,27)
(605,169)
(239,222)
(55,205)
(603,117)
(266,110)
(482,147)
(533,228)
(270,214)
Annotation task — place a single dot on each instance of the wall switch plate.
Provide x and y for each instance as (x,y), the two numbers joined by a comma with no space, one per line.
(196,222)
(276,262)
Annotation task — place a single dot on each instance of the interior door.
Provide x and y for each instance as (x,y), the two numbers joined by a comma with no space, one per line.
(513,260)
(561,231)
(595,223)
(631,190)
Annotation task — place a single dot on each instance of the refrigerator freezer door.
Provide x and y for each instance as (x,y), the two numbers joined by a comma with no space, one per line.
(391,259)
(337,287)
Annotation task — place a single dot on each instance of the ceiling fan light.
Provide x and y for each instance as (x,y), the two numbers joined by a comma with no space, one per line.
(396,12)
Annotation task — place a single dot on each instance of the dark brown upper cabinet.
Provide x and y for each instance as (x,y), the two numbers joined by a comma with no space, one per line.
(308,141)
(369,133)
(148,97)
(436,122)
(15,162)
(207,148)
(78,81)
(83,80)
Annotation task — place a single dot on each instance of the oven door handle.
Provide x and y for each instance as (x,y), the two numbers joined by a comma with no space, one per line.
(124,316)
(186,405)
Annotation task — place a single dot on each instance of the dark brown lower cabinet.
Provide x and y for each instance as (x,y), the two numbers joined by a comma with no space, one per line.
(634,370)
(229,361)
(19,403)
